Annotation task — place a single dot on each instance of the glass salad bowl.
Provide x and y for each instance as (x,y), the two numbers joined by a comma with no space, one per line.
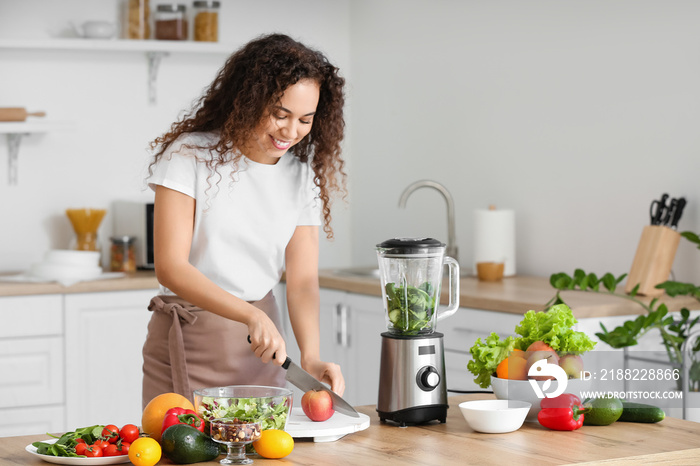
(248,403)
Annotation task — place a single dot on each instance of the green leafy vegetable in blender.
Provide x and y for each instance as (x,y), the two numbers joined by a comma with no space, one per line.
(410,308)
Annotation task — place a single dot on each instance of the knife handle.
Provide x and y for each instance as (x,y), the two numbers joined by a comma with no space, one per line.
(285,364)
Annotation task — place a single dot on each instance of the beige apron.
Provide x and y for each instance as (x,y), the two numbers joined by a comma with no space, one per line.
(188,348)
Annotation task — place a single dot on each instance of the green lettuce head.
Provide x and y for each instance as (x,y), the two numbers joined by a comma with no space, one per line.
(555,328)
(487,355)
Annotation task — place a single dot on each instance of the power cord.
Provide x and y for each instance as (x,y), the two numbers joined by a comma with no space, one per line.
(468,392)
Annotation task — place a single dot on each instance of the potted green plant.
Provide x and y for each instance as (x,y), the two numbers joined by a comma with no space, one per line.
(674,330)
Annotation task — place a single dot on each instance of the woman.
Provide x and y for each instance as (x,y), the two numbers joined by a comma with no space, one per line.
(241,185)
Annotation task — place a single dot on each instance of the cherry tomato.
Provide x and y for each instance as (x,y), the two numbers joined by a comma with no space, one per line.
(101,444)
(94,451)
(129,433)
(125,448)
(117,449)
(110,433)
(80,448)
(112,450)
(80,440)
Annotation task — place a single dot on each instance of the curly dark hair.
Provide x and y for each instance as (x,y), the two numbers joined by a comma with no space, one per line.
(250,83)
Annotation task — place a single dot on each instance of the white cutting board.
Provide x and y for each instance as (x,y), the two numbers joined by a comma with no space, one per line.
(330,430)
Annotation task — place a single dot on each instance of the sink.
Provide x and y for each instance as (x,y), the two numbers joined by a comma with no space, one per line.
(361,272)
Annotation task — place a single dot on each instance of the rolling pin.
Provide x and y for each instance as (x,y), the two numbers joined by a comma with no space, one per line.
(17,114)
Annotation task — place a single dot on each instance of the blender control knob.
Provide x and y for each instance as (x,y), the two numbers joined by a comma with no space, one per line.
(428,378)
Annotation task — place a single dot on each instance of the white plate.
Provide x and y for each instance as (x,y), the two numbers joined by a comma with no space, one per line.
(72,460)
(330,430)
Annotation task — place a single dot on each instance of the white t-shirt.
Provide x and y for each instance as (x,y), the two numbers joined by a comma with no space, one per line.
(241,225)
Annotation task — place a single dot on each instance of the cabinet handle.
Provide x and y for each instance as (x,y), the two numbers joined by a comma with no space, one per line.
(342,336)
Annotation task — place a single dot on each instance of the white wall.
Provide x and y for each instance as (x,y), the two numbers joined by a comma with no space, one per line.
(104,96)
(573,113)
(576,114)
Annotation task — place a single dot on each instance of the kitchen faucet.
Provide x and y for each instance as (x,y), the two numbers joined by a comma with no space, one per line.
(451,240)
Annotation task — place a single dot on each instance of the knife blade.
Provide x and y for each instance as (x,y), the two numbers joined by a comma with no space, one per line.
(305,382)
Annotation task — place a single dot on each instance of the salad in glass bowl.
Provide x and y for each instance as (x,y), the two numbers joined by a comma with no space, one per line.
(248,403)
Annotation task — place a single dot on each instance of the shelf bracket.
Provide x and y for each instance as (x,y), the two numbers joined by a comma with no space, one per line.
(13,140)
(154,59)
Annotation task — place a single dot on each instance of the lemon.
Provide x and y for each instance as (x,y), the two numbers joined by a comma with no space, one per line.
(274,443)
(144,451)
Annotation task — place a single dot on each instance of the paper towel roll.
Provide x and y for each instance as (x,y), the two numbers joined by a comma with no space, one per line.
(494,238)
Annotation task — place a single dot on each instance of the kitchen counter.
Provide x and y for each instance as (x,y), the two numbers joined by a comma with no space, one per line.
(515,295)
(672,441)
(141,280)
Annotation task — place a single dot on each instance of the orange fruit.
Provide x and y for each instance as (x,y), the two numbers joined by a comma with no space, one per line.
(154,412)
(274,443)
(513,367)
(144,451)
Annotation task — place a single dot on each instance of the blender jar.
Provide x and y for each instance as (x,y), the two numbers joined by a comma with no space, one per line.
(411,275)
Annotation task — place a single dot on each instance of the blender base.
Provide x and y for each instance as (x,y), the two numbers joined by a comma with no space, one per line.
(416,415)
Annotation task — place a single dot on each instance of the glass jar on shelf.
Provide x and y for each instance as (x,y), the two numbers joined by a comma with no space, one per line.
(171,22)
(206,21)
(137,22)
(122,254)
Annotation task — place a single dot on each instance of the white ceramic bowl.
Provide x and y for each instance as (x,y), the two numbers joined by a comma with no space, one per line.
(506,389)
(495,416)
(72,257)
(65,273)
(98,29)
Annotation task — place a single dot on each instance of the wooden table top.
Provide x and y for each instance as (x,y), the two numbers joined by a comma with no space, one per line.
(672,441)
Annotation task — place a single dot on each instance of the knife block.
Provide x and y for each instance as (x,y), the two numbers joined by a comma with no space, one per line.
(653,260)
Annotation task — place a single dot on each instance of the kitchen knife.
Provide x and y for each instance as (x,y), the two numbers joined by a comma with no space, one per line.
(305,382)
(657,210)
(678,211)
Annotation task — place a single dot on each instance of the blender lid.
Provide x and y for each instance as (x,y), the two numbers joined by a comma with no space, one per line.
(411,246)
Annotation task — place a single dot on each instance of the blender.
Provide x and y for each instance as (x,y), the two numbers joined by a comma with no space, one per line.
(412,385)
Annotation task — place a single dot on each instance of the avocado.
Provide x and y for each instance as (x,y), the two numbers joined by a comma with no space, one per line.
(603,411)
(183,444)
(640,412)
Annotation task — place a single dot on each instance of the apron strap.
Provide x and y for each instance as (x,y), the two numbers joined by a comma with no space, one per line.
(181,312)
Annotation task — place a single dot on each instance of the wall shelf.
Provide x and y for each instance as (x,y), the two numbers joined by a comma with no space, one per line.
(118,45)
(15,130)
(155,50)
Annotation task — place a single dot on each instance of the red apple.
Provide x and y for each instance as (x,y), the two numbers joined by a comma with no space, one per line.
(317,405)
(550,356)
(539,346)
(572,365)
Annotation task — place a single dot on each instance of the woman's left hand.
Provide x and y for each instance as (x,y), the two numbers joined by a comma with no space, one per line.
(327,372)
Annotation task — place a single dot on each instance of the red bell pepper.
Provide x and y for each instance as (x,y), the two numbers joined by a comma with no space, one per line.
(564,412)
(182,416)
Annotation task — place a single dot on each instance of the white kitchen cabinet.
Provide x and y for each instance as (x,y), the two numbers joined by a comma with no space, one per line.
(31,364)
(105,333)
(364,317)
(350,326)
